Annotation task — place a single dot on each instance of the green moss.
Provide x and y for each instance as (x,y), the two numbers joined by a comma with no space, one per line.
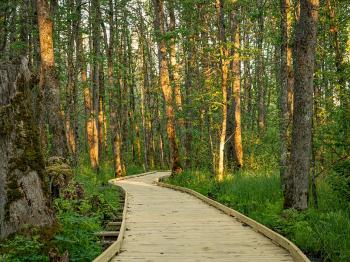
(28,153)
(60,169)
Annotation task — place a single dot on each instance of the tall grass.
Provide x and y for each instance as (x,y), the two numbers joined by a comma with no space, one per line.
(323,234)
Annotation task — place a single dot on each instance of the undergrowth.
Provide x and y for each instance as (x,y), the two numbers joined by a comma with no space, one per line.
(77,219)
(322,233)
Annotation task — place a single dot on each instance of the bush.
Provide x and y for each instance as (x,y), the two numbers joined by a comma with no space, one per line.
(77,236)
(23,248)
(340,179)
(82,210)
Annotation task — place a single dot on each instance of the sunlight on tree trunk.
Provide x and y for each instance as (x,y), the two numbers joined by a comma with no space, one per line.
(49,86)
(224,76)
(166,88)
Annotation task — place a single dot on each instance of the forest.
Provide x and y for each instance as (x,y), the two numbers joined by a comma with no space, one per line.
(246,102)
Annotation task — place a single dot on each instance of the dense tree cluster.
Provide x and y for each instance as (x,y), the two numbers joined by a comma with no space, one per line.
(190,84)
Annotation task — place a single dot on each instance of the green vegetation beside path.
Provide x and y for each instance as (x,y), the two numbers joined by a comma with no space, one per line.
(85,207)
(322,234)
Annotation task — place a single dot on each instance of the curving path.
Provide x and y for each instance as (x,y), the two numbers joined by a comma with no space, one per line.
(167,225)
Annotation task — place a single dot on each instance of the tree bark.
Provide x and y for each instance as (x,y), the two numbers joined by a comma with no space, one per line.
(235,149)
(174,64)
(115,129)
(260,69)
(305,45)
(71,93)
(49,85)
(90,123)
(286,87)
(23,198)
(224,62)
(166,88)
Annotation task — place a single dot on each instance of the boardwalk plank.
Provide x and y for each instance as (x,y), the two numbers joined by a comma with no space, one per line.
(167,225)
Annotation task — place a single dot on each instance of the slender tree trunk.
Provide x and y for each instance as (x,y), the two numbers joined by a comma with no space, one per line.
(71,90)
(114,127)
(305,45)
(224,77)
(90,123)
(167,91)
(286,87)
(260,69)
(174,64)
(49,83)
(334,32)
(96,71)
(235,149)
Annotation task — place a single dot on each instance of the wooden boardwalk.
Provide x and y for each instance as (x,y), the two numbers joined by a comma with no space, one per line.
(167,225)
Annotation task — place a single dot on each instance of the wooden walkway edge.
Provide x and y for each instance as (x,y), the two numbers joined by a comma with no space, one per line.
(114,249)
(297,254)
(168,223)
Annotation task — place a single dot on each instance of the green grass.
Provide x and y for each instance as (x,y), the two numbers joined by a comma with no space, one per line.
(133,169)
(322,233)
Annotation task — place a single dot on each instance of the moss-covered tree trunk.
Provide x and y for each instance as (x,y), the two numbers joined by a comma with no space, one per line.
(22,191)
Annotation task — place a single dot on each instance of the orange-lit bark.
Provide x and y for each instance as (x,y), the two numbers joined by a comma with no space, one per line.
(114,127)
(49,86)
(90,123)
(174,64)
(224,76)
(236,95)
(166,88)
(91,126)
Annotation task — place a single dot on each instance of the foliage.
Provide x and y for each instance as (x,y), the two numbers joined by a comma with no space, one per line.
(340,179)
(78,218)
(23,248)
(322,232)
(77,236)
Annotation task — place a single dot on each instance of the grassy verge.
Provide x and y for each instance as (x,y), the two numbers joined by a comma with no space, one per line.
(83,210)
(323,233)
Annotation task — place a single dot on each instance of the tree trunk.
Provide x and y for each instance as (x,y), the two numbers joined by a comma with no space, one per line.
(115,130)
(97,76)
(49,85)
(175,65)
(260,69)
(235,149)
(340,68)
(70,115)
(224,76)
(22,191)
(90,123)
(305,45)
(165,84)
(286,87)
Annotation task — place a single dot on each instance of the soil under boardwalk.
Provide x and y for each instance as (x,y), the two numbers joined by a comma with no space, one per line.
(167,225)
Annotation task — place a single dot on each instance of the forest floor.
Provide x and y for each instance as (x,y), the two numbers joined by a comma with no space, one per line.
(167,225)
(78,218)
(323,234)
